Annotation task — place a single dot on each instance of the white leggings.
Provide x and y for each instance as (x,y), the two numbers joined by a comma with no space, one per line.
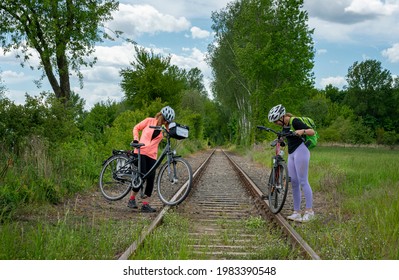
(298,167)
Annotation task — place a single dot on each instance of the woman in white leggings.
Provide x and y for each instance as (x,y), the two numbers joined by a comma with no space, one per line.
(298,161)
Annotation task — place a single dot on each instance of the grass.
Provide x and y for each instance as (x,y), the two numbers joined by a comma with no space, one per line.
(168,242)
(361,188)
(66,238)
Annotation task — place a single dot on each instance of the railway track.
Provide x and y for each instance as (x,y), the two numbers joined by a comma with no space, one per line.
(229,220)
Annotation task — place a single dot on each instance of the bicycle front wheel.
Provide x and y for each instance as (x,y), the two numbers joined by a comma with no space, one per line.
(278,187)
(174,181)
(116,177)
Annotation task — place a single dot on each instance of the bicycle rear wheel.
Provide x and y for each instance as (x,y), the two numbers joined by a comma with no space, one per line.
(174,181)
(278,187)
(116,177)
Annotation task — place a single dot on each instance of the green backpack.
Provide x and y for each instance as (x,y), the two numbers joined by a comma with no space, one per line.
(310,141)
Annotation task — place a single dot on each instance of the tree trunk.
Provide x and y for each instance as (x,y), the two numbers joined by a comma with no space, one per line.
(65,87)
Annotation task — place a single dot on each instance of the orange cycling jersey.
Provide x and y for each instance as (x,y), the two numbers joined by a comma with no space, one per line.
(151,145)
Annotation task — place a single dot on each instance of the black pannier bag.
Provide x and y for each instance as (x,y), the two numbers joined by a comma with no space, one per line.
(178,131)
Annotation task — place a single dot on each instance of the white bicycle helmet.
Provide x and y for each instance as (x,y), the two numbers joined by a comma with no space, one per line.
(168,113)
(276,113)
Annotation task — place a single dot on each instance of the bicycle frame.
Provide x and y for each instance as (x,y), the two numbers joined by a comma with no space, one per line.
(279,153)
(166,152)
(279,177)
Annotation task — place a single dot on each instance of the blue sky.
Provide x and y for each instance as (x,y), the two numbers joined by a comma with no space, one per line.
(345,31)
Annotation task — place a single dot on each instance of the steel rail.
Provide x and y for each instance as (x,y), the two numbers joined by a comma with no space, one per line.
(294,236)
(158,219)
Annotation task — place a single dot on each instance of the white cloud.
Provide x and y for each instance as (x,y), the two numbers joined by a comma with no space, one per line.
(135,20)
(18,96)
(6,57)
(101,74)
(392,54)
(326,31)
(333,11)
(13,77)
(321,51)
(96,92)
(353,21)
(188,8)
(120,55)
(11,57)
(197,32)
(335,81)
(195,59)
(372,7)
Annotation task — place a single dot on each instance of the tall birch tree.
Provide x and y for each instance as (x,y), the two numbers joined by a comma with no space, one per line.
(262,55)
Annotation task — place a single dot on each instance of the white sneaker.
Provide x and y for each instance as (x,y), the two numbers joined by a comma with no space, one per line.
(295,217)
(309,215)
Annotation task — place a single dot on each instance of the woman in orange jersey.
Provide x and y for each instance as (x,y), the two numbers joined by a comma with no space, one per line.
(151,138)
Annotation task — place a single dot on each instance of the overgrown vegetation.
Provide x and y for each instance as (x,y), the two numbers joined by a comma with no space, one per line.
(364,185)
(49,151)
(67,238)
(360,189)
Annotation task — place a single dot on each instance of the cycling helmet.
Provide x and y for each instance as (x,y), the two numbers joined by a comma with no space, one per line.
(168,113)
(276,113)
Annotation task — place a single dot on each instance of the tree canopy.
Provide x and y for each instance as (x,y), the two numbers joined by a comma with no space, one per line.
(63,32)
(371,94)
(262,54)
(152,76)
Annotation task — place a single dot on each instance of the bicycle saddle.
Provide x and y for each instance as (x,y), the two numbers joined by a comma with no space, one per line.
(137,145)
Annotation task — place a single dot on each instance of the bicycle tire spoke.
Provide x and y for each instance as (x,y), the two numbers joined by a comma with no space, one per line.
(115,177)
(174,182)
(278,186)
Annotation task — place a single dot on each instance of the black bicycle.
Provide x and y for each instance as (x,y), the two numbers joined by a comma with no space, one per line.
(121,172)
(279,179)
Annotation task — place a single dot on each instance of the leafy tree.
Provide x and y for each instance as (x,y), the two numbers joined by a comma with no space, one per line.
(63,32)
(263,54)
(43,116)
(12,124)
(334,94)
(216,123)
(195,95)
(195,80)
(193,101)
(100,117)
(317,109)
(394,109)
(152,76)
(2,88)
(370,94)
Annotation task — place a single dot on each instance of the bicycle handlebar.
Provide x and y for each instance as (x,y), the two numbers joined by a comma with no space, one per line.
(160,127)
(279,133)
(156,127)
